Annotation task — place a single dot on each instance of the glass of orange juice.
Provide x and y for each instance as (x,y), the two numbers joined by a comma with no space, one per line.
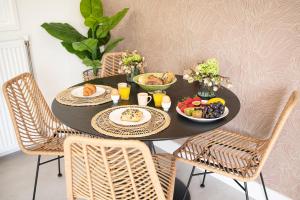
(157,97)
(124,90)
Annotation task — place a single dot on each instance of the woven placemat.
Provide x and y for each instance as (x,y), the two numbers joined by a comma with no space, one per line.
(159,121)
(65,97)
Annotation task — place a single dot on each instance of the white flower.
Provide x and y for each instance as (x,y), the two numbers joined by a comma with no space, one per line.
(190,80)
(209,84)
(186,77)
(215,88)
(206,81)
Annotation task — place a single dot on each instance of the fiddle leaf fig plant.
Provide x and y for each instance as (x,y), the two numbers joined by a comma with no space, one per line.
(91,48)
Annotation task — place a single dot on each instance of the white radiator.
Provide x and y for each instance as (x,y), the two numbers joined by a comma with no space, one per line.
(13,61)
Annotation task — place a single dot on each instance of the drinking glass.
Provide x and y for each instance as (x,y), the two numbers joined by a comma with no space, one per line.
(124,90)
(157,97)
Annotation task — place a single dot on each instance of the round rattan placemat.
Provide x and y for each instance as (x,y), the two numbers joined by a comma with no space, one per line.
(65,97)
(159,121)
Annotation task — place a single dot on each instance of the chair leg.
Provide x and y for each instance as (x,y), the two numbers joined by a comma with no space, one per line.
(59,172)
(153,148)
(246,191)
(202,184)
(263,183)
(188,184)
(36,176)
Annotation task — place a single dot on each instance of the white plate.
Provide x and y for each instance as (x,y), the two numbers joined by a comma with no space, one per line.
(115,116)
(226,112)
(78,92)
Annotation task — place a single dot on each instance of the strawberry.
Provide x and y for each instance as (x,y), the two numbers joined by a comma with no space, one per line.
(183,107)
(180,104)
(196,98)
(190,105)
(188,101)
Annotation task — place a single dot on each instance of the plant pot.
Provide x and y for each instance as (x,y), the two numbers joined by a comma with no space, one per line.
(89,74)
(206,92)
(134,72)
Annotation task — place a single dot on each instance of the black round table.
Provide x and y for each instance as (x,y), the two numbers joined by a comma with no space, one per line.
(79,118)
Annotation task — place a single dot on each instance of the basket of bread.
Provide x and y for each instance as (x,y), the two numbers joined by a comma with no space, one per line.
(155,81)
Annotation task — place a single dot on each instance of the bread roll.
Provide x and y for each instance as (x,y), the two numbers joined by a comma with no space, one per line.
(89,89)
(168,77)
(153,80)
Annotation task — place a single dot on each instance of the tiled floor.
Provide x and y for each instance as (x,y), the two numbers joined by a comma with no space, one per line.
(17,176)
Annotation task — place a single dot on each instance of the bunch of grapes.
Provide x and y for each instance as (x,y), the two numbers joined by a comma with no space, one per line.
(214,110)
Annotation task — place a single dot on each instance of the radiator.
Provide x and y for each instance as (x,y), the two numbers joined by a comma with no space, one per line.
(13,61)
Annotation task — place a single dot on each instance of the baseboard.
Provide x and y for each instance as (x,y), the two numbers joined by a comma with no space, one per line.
(9,151)
(255,189)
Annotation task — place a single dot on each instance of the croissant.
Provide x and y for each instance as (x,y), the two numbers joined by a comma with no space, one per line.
(153,80)
(89,89)
(168,77)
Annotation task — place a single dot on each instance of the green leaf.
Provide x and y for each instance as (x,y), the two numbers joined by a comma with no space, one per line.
(102,31)
(105,40)
(91,63)
(90,33)
(70,49)
(92,21)
(63,31)
(111,45)
(91,7)
(115,19)
(111,23)
(86,45)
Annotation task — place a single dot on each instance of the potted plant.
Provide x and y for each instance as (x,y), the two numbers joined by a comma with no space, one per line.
(207,74)
(132,64)
(97,42)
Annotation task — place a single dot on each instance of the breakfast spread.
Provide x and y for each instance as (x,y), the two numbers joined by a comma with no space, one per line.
(132,115)
(152,79)
(89,89)
(194,107)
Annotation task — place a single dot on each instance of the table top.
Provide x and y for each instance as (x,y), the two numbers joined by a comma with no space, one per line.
(79,118)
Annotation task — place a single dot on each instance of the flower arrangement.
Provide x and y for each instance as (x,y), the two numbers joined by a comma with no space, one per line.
(132,64)
(130,61)
(207,73)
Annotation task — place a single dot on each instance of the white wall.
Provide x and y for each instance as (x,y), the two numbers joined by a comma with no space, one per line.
(56,69)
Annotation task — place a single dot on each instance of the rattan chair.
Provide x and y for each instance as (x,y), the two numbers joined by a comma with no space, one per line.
(38,132)
(232,154)
(111,64)
(103,169)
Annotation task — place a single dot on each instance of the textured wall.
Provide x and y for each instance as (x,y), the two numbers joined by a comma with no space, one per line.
(258,45)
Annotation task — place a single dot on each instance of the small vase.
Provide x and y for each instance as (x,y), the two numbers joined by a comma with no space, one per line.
(134,72)
(206,92)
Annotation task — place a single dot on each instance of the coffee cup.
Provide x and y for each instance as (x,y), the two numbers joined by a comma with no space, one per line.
(143,98)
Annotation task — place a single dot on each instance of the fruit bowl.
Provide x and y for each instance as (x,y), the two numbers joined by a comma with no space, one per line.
(151,88)
(226,112)
(198,110)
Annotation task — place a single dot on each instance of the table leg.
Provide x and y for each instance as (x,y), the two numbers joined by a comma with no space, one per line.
(179,190)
